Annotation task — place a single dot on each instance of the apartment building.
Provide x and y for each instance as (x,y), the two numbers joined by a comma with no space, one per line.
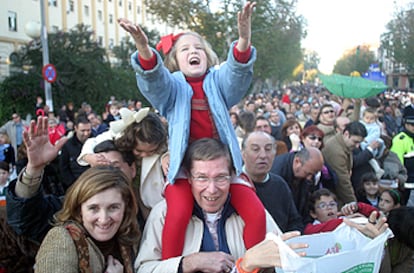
(62,15)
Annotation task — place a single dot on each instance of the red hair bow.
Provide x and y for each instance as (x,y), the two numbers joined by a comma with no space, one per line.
(167,42)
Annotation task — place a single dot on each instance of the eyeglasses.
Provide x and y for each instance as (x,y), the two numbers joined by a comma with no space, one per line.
(220,180)
(15,117)
(329,205)
(312,137)
(328,112)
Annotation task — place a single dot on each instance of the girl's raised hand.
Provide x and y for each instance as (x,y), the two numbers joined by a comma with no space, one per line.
(244,23)
(139,36)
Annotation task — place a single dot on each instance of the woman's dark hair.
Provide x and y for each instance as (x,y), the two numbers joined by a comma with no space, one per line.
(395,195)
(401,222)
(288,123)
(369,176)
(150,130)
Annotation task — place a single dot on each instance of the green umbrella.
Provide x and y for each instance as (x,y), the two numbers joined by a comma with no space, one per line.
(351,87)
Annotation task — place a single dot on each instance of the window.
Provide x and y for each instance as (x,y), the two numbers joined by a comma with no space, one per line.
(71,5)
(111,43)
(55,29)
(52,3)
(138,10)
(129,5)
(111,18)
(100,15)
(120,3)
(12,21)
(86,10)
(100,40)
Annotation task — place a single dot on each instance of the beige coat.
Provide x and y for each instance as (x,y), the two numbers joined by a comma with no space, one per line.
(149,256)
(339,157)
(58,254)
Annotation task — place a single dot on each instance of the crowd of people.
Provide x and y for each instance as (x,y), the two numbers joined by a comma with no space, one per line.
(195,181)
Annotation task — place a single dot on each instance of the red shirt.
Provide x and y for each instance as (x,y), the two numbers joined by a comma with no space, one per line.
(202,123)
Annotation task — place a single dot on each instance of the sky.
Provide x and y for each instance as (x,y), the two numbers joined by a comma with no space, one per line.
(334,26)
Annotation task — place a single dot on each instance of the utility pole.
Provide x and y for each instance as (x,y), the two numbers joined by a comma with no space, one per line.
(45,55)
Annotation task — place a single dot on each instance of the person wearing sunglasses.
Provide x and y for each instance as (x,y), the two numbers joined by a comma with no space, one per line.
(312,136)
(325,120)
(14,129)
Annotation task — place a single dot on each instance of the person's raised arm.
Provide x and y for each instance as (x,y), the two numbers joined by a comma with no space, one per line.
(244,22)
(39,153)
(139,36)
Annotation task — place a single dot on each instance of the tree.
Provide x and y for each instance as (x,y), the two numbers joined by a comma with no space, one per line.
(398,40)
(308,69)
(356,59)
(276,30)
(84,74)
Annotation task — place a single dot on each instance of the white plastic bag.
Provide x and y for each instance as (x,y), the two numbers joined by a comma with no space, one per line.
(344,250)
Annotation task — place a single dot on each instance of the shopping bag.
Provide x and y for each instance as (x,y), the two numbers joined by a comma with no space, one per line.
(344,250)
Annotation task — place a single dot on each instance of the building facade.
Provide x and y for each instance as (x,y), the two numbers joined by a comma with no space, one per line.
(62,15)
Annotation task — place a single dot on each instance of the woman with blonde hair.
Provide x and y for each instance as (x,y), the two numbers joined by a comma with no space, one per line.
(96,230)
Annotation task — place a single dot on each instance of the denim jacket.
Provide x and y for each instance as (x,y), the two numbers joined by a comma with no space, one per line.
(171,94)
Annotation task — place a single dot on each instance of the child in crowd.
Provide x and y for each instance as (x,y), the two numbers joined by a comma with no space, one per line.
(389,199)
(195,95)
(368,191)
(323,208)
(6,150)
(4,182)
(113,112)
(369,120)
(144,134)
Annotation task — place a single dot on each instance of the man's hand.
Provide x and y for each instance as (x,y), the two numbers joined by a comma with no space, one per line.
(266,254)
(244,22)
(208,262)
(96,160)
(39,149)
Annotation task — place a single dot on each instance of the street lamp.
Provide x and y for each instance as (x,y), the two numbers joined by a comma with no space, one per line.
(34,30)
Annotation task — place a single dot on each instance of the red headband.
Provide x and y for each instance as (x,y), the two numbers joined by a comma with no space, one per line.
(167,42)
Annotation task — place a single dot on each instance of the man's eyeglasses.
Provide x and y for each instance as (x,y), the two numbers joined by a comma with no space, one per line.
(328,112)
(329,205)
(15,117)
(312,137)
(220,180)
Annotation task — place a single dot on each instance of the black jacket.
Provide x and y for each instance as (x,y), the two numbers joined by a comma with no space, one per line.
(278,200)
(69,168)
(283,166)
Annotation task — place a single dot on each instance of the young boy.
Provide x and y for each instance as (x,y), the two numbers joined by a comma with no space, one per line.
(324,210)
